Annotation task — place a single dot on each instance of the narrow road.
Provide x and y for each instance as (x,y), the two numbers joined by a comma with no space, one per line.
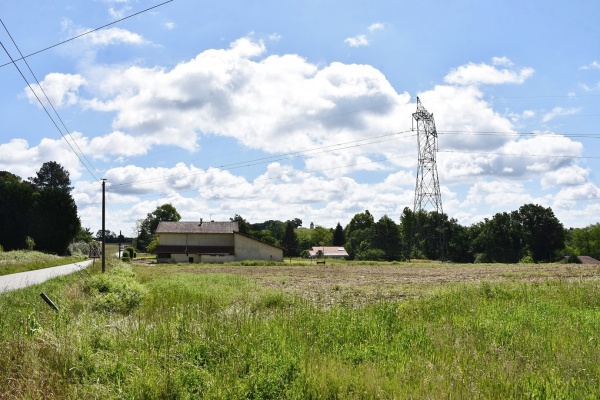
(24,279)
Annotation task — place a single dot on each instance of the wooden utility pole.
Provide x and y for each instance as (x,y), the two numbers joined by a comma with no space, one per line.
(103,226)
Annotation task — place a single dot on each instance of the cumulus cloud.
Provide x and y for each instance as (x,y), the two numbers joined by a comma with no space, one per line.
(61,89)
(273,103)
(485,74)
(21,159)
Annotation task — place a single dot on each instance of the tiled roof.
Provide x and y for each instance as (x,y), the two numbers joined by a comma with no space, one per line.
(196,227)
(329,251)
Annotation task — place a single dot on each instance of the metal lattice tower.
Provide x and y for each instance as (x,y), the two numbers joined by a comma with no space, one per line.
(427,189)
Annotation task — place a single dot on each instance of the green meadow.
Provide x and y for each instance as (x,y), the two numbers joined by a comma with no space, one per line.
(151,332)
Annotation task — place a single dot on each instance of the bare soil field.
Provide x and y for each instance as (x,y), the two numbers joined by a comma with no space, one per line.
(328,285)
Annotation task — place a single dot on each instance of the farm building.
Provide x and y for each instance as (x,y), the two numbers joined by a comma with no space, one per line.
(328,251)
(212,242)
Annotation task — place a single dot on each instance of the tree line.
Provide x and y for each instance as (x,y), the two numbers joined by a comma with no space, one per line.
(530,234)
(38,213)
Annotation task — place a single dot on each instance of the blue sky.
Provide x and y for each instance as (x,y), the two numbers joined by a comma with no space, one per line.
(282,110)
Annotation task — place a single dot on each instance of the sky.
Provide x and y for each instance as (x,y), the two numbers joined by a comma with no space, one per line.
(303,109)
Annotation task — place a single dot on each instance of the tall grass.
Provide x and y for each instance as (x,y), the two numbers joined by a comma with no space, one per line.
(222,336)
(22,260)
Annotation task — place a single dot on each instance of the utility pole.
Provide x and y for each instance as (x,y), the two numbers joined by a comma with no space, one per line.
(103,225)
(427,189)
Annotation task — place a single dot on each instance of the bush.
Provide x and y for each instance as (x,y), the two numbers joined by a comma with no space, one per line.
(79,248)
(116,291)
(131,251)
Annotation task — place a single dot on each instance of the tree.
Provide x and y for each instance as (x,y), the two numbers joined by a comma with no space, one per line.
(543,234)
(358,231)
(243,225)
(320,236)
(499,239)
(166,212)
(290,240)
(54,221)
(16,204)
(84,235)
(339,239)
(586,241)
(386,237)
(296,223)
(53,175)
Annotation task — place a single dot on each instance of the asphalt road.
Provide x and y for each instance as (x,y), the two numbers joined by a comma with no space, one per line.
(24,279)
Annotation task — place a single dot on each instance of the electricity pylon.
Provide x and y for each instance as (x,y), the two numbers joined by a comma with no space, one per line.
(427,189)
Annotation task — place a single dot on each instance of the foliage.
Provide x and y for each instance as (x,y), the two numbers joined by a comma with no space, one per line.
(166,212)
(152,245)
(320,236)
(54,221)
(52,175)
(42,209)
(84,235)
(80,248)
(586,241)
(243,225)
(29,243)
(290,240)
(339,239)
(130,250)
(115,291)
(357,231)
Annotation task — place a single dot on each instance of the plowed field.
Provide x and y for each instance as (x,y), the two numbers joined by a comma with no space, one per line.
(327,285)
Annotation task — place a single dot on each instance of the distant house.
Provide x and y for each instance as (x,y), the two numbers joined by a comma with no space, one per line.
(211,242)
(328,251)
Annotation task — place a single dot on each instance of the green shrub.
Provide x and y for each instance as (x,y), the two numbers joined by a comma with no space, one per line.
(131,251)
(115,291)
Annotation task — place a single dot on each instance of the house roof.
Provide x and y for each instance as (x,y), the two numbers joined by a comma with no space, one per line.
(196,227)
(329,251)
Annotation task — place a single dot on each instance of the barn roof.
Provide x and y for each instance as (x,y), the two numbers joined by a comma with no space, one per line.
(196,227)
(329,251)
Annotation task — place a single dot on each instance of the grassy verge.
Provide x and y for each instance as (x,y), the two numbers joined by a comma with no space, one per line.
(183,335)
(21,260)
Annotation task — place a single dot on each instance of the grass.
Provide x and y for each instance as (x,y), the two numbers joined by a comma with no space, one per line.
(224,336)
(22,260)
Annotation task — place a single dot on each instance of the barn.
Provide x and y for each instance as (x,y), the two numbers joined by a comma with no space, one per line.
(210,242)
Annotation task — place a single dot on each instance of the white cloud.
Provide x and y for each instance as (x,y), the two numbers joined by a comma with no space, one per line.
(24,161)
(61,89)
(170,25)
(477,74)
(357,41)
(503,61)
(283,103)
(593,65)
(571,175)
(111,36)
(377,26)
(560,112)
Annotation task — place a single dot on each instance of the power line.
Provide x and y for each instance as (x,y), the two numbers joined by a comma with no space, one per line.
(85,33)
(279,157)
(54,109)
(46,110)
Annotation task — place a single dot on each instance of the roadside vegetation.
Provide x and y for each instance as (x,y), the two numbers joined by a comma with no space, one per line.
(189,332)
(22,260)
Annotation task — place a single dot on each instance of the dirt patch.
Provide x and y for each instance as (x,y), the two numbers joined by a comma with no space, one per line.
(329,285)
